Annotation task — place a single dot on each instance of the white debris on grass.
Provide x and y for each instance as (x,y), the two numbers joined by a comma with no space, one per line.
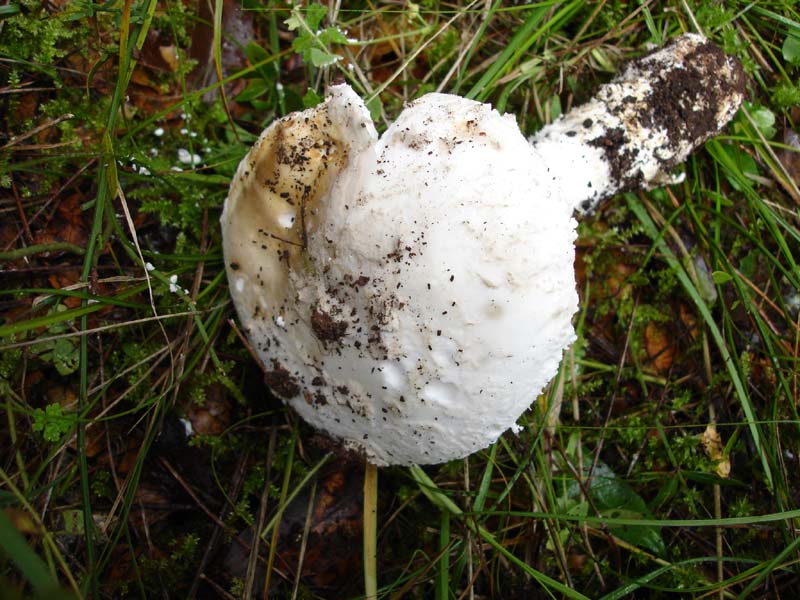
(188,158)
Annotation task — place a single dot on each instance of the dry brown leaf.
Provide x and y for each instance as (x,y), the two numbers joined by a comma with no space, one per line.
(66,280)
(659,348)
(67,225)
(332,558)
(213,417)
(170,56)
(616,280)
(715,450)
(21,520)
(689,321)
(63,395)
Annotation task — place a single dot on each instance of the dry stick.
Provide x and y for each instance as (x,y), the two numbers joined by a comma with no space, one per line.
(135,238)
(461,53)
(53,338)
(243,340)
(223,593)
(39,128)
(692,18)
(470,587)
(52,197)
(25,226)
(200,504)
(370,531)
(146,528)
(576,39)
(24,89)
(186,335)
(420,48)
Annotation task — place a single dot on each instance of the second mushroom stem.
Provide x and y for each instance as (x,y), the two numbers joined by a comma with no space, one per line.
(370,531)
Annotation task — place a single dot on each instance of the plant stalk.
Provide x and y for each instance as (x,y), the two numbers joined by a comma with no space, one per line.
(371,531)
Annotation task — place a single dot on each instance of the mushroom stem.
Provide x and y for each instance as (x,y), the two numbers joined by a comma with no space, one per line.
(370,531)
(643,123)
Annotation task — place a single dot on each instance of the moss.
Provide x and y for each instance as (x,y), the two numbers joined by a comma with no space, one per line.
(38,36)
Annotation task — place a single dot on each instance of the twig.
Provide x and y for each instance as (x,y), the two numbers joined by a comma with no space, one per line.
(25,226)
(39,128)
(189,490)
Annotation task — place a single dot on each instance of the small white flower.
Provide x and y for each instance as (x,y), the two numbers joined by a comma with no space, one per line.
(159,131)
(187,158)
(149,267)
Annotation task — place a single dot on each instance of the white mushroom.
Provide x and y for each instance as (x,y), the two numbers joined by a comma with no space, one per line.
(411,294)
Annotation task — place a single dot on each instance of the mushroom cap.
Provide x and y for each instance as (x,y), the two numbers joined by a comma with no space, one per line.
(411,294)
